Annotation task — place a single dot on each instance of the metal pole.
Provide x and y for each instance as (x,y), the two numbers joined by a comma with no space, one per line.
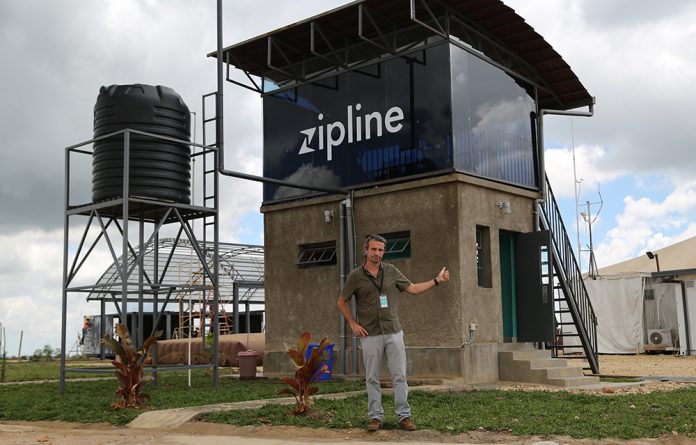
(216,271)
(248,320)
(541,174)
(102,328)
(141,315)
(235,307)
(124,250)
(592,266)
(575,188)
(219,164)
(219,106)
(155,304)
(64,311)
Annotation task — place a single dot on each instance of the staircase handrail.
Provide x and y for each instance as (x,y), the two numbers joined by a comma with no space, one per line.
(571,278)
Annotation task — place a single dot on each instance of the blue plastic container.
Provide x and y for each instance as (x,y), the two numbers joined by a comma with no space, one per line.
(326,375)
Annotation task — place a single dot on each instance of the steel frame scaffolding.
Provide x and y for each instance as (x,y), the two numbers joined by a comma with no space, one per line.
(240,282)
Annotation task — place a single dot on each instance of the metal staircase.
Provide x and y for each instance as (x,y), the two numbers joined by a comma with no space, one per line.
(574,317)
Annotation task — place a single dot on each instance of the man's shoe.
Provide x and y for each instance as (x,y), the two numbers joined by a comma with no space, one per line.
(407,424)
(374,425)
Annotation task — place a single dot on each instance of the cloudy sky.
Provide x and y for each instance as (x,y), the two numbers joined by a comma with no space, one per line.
(637,58)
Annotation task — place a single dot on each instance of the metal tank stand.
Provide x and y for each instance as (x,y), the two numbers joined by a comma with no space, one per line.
(123,229)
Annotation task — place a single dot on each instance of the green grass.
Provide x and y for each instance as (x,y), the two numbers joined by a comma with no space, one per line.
(25,371)
(90,402)
(517,413)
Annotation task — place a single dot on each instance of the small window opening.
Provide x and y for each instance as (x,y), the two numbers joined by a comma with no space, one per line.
(320,254)
(398,245)
(483,257)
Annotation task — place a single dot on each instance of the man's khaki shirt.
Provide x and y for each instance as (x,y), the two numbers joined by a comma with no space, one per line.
(375,319)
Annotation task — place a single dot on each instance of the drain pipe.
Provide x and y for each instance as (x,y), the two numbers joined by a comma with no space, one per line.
(220,134)
(347,245)
(350,226)
(540,154)
(342,281)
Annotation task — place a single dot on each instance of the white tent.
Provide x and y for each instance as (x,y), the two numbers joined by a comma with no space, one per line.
(636,305)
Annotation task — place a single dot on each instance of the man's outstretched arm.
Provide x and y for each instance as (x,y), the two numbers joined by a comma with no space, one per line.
(419,288)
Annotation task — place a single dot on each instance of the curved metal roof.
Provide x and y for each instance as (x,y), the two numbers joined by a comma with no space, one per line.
(240,264)
(364,31)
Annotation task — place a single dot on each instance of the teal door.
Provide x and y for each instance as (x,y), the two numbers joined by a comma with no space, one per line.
(507,284)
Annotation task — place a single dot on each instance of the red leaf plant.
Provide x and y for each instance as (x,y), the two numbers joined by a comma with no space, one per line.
(129,367)
(302,386)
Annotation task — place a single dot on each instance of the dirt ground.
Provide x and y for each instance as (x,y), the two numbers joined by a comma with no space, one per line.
(648,365)
(200,433)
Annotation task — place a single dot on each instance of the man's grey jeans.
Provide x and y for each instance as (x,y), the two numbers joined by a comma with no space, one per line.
(374,348)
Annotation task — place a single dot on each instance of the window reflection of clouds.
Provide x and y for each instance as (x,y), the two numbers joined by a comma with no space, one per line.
(491,120)
(507,115)
(307,174)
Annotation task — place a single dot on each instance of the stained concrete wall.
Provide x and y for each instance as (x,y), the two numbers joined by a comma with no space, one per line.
(441,214)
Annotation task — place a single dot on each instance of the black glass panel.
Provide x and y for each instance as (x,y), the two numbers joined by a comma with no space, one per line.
(491,115)
(438,109)
(391,121)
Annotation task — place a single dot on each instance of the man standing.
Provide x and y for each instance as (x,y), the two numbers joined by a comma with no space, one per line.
(374,285)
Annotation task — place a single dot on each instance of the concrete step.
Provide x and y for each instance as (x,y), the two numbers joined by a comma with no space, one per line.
(570,382)
(548,363)
(537,366)
(563,372)
(526,354)
(515,346)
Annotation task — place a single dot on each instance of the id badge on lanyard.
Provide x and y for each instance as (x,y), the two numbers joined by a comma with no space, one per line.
(383,301)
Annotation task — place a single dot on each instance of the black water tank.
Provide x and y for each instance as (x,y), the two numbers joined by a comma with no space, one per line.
(159,169)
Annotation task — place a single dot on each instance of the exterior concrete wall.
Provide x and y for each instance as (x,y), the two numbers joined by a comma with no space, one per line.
(441,214)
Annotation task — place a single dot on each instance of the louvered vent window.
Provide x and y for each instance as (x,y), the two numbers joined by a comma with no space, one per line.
(398,245)
(312,255)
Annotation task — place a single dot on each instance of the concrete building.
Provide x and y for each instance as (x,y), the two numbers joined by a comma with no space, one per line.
(425,125)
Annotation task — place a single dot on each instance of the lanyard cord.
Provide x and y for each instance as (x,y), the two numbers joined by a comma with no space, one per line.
(369,275)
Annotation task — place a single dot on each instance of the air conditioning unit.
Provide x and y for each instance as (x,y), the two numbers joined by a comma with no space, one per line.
(660,337)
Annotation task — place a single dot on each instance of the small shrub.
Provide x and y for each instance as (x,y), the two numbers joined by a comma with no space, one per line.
(302,386)
(129,369)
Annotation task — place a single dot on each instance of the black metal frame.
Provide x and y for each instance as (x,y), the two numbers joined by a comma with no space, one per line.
(306,52)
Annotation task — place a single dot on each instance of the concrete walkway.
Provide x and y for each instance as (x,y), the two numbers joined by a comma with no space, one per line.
(172,418)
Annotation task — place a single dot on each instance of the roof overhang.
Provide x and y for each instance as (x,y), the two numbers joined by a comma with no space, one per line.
(673,273)
(360,33)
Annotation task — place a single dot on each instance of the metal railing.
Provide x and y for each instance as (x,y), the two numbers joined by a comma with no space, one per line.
(570,278)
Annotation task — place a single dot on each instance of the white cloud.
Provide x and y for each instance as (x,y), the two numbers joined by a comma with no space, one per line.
(642,75)
(645,225)
(31,282)
(590,166)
